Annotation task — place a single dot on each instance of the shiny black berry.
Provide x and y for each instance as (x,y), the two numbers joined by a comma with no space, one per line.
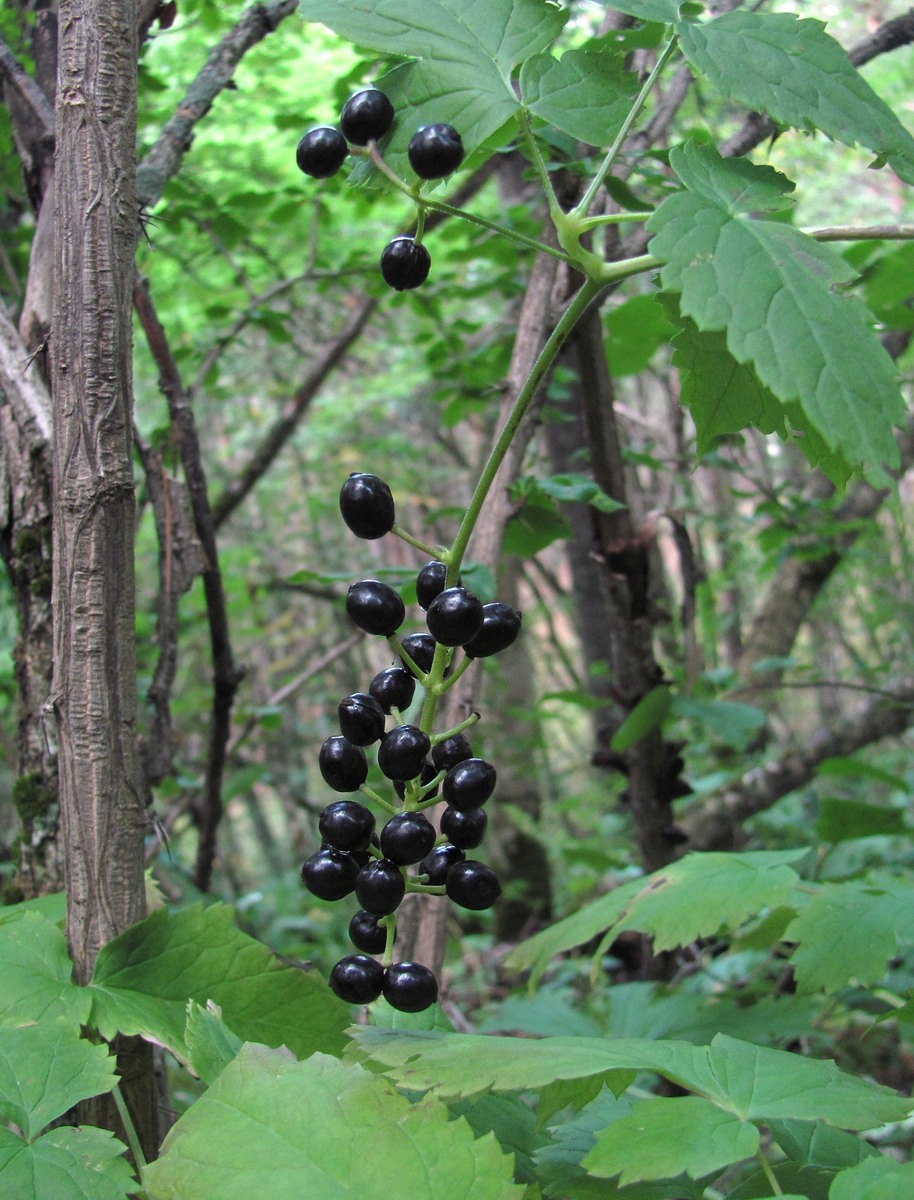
(367,506)
(472,884)
(464,829)
(435,151)
(366,934)
(454,616)
(469,785)
(393,688)
(361,718)
(451,751)
(357,979)
(439,861)
(405,264)
(343,765)
(500,627)
(321,152)
(402,752)
(409,987)
(429,582)
(375,607)
(380,887)
(407,837)
(421,649)
(346,825)
(366,116)
(330,874)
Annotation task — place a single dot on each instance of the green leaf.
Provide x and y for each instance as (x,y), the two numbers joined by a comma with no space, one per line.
(879,1178)
(36,973)
(211,1045)
(144,978)
(635,330)
(585,94)
(849,932)
(855,768)
(512,1123)
(664,1137)
(579,489)
(734,184)
(771,288)
(798,74)
(733,723)
(464,52)
(843,820)
(53,906)
(648,714)
(46,1069)
(664,11)
(820,1145)
(271,1126)
(66,1164)
(533,527)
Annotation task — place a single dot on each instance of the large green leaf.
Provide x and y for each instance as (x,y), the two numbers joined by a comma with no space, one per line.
(849,932)
(464,52)
(65,1164)
(663,1137)
(771,288)
(46,1069)
(36,973)
(820,1145)
(273,1126)
(798,74)
(879,1178)
(694,897)
(144,978)
(585,94)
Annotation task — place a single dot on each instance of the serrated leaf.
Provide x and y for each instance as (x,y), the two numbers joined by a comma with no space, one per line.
(735,184)
(648,714)
(586,94)
(663,1137)
(53,906)
(36,973)
(879,1178)
(464,52)
(211,1045)
(66,1164)
(849,932)
(771,289)
(144,979)
(842,820)
(512,1123)
(793,70)
(283,1128)
(635,330)
(45,1070)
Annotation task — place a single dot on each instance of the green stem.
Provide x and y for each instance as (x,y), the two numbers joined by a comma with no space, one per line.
(449,733)
(133,1140)
(583,206)
(851,233)
(400,532)
(769,1174)
(539,162)
(379,800)
(447,684)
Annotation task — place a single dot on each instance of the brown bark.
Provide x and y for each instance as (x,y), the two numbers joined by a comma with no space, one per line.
(103,818)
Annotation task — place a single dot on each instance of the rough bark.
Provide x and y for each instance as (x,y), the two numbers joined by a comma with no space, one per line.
(103,818)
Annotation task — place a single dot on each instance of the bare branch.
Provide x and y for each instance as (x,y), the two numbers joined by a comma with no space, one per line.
(24,390)
(27,89)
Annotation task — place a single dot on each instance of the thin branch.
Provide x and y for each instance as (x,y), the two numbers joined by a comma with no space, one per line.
(165,157)
(226,676)
(27,395)
(27,89)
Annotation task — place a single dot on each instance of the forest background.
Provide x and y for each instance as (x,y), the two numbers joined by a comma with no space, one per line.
(753,703)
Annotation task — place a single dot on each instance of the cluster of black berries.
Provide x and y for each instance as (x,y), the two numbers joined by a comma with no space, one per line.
(434,151)
(353,856)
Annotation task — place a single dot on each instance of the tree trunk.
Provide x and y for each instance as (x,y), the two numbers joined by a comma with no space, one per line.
(94,683)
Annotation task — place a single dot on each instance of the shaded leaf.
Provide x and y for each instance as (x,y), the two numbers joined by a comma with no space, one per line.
(820,1145)
(211,1045)
(648,714)
(733,723)
(879,1178)
(843,820)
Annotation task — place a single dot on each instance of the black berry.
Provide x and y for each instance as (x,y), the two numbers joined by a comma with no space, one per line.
(407,837)
(500,627)
(380,887)
(453,750)
(429,582)
(366,116)
(405,264)
(357,979)
(472,884)
(469,785)
(361,718)
(329,874)
(367,506)
(435,151)
(439,861)
(464,829)
(421,649)
(375,607)
(321,152)
(402,752)
(409,987)
(454,616)
(346,825)
(343,765)
(393,688)
(366,934)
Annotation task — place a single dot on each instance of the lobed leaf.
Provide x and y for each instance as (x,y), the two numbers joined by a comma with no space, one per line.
(66,1164)
(36,973)
(586,94)
(880,1178)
